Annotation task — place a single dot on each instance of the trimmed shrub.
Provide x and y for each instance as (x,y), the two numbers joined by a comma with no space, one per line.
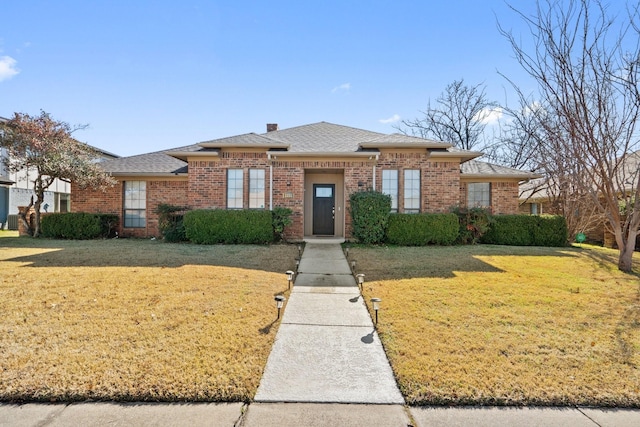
(422,229)
(369,216)
(171,222)
(527,230)
(216,226)
(78,225)
(280,219)
(473,224)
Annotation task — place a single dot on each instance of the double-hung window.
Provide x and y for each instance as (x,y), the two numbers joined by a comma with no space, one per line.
(390,187)
(479,194)
(135,204)
(256,188)
(235,183)
(412,191)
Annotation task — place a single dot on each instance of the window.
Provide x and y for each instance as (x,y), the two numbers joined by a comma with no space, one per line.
(135,204)
(234,188)
(412,191)
(535,209)
(479,195)
(256,188)
(390,187)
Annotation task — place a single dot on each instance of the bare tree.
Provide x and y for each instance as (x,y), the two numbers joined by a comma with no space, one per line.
(586,65)
(458,116)
(45,146)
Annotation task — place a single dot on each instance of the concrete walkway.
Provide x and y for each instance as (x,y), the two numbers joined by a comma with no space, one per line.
(327,349)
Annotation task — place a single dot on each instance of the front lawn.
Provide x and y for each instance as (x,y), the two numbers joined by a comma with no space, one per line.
(507,325)
(136,320)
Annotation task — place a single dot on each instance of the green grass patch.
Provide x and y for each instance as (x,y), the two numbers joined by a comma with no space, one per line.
(136,320)
(496,325)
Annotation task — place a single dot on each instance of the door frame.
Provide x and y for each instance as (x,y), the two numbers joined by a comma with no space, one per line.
(324,176)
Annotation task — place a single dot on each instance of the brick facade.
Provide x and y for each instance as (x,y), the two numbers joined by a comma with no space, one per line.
(205,187)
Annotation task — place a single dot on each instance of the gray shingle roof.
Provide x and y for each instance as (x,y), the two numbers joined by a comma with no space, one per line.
(476,168)
(319,137)
(150,163)
(248,139)
(322,137)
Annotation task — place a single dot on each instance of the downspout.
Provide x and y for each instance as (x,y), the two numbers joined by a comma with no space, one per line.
(270,182)
(374,172)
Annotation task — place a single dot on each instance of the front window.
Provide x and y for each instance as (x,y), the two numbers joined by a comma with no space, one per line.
(135,204)
(390,187)
(256,189)
(412,191)
(479,195)
(234,188)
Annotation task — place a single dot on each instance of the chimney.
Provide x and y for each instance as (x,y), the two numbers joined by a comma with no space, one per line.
(272,127)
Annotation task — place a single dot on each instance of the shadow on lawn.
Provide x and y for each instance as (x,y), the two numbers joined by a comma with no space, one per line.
(146,253)
(396,263)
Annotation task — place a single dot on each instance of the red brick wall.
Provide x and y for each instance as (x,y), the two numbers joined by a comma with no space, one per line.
(172,192)
(440,180)
(207,182)
(504,197)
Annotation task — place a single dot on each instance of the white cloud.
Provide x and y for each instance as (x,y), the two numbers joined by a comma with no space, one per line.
(489,115)
(393,119)
(345,87)
(8,67)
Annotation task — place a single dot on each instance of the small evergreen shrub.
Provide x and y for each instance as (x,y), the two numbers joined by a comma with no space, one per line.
(280,219)
(171,222)
(422,229)
(527,230)
(216,226)
(473,224)
(78,225)
(369,216)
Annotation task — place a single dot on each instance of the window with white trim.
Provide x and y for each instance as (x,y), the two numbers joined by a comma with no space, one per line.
(256,189)
(479,195)
(390,187)
(135,204)
(412,190)
(235,184)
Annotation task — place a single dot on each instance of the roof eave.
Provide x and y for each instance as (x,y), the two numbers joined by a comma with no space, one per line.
(267,145)
(462,155)
(484,176)
(426,145)
(153,174)
(183,155)
(274,154)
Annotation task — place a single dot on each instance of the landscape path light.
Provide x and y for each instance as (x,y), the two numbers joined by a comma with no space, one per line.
(353,265)
(360,278)
(279,303)
(376,306)
(289,274)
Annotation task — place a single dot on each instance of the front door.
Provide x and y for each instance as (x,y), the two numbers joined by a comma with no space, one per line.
(324,209)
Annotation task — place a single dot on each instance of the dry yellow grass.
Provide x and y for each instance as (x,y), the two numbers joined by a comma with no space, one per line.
(505,325)
(136,320)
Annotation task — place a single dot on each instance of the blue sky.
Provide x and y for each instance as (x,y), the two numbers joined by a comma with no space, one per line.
(151,75)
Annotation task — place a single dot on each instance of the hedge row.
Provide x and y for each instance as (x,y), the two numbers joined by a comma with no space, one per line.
(527,230)
(422,229)
(78,225)
(228,226)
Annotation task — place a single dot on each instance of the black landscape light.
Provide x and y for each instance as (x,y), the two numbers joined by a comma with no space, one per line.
(360,278)
(279,303)
(376,306)
(289,274)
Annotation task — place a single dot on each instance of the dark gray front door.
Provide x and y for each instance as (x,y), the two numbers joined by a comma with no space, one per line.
(324,209)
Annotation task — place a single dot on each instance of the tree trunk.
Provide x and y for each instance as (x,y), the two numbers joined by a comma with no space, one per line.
(625,260)
(23,217)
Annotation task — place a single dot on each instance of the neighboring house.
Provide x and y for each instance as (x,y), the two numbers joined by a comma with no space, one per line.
(311,169)
(536,198)
(16,190)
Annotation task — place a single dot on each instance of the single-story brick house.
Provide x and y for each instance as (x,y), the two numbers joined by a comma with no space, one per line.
(311,169)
